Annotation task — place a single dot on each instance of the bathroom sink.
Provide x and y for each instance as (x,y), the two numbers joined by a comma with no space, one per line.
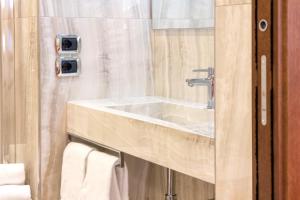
(195,119)
(171,133)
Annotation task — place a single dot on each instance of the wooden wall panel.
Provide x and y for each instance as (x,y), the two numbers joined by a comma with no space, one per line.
(25,8)
(8,93)
(19,88)
(234,102)
(176,53)
(27,99)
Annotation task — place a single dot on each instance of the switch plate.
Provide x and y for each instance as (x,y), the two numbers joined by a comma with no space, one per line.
(67,44)
(67,66)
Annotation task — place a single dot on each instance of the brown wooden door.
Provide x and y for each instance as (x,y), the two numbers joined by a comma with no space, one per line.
(263,93)
(286,99)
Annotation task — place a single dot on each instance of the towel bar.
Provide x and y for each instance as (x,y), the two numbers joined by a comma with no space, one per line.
(73,137)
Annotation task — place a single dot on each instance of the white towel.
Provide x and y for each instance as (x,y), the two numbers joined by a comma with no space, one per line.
(104,180)
(15,192)
(73,170)
(12,174)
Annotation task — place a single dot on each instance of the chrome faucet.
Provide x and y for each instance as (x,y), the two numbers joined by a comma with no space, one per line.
(209,82)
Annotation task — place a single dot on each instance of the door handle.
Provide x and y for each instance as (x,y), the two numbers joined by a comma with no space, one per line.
(264,119)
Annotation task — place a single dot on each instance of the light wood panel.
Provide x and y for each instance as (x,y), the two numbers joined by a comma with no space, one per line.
(184,152)
(25,8)
(175,54)
(234,102)
(19,90)
(8,93)
(27,90)
(27,99)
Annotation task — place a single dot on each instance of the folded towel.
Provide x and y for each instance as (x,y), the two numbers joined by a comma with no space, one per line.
(73,170)
(15,192)
(104,180)
(12,174)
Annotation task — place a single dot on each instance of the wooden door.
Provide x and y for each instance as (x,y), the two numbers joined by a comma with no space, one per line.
(286,99)
(263,99)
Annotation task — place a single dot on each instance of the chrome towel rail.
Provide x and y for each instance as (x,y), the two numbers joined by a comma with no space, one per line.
(76,138)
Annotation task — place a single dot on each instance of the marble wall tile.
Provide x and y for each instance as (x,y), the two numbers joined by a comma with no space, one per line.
(175,54)
(96,8)
(116,61)
(183,14)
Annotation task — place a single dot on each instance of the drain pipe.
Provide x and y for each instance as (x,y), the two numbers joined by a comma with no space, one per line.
(170,185)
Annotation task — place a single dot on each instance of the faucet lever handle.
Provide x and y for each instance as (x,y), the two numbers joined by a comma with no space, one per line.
(209,70)
(200,70)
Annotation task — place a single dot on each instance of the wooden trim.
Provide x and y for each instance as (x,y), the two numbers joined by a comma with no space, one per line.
(254,102)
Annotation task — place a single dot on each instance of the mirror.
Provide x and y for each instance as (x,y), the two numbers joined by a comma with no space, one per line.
(176,14)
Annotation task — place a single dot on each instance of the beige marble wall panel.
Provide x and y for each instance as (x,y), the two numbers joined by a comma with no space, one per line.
(116,61)
(232,2)
(8,93)
(234,102)
(175,54)
(116,65)
(119,9)
(25,8)
(27,99)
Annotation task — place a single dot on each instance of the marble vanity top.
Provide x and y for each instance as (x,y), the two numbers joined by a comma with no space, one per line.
(174,134)
(185,116)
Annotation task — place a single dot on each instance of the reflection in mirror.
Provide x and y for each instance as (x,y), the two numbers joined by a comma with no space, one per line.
(182,14)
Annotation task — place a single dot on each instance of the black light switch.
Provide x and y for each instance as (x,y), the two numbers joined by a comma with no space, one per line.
(69,66)
(68,44)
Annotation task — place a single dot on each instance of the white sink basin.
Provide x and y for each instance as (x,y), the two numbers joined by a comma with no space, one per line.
(194,118)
